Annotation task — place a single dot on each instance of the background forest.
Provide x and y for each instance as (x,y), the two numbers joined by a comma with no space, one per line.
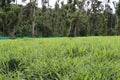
(69,19)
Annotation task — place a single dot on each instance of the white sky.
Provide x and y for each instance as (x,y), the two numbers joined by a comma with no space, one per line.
(103,3)
(52,3)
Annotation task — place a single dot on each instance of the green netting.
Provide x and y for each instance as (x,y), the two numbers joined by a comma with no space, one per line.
(7,37)
(3,37)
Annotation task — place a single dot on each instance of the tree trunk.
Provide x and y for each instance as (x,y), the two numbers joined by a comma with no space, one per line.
(118,25)
(72,31)
(12,34)
(33,23)
(16,2)
(33,28)
(75,31)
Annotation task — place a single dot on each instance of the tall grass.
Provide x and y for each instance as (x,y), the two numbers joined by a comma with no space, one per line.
(83,58)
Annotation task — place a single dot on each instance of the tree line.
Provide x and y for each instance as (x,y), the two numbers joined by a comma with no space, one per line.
(69,19)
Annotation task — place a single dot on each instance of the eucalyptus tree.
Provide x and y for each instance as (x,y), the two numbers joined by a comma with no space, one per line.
(95,18)
(70,9)
(118,15)
(59,19)
(80,3)
(33,6)
(55,18)
(9,16)
(77,17)
(4,8)
(13,17)
(45,4)
(28,18)
(111,19)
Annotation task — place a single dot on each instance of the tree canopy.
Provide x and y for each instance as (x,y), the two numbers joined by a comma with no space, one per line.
(70,19)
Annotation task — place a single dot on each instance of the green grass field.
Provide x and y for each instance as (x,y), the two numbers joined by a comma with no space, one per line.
(83,58)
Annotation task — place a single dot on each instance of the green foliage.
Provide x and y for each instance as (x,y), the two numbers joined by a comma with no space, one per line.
(5,4)
(2,18)
(118,9)
(118,19)
(84,58)
(9,17)
(68,20)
